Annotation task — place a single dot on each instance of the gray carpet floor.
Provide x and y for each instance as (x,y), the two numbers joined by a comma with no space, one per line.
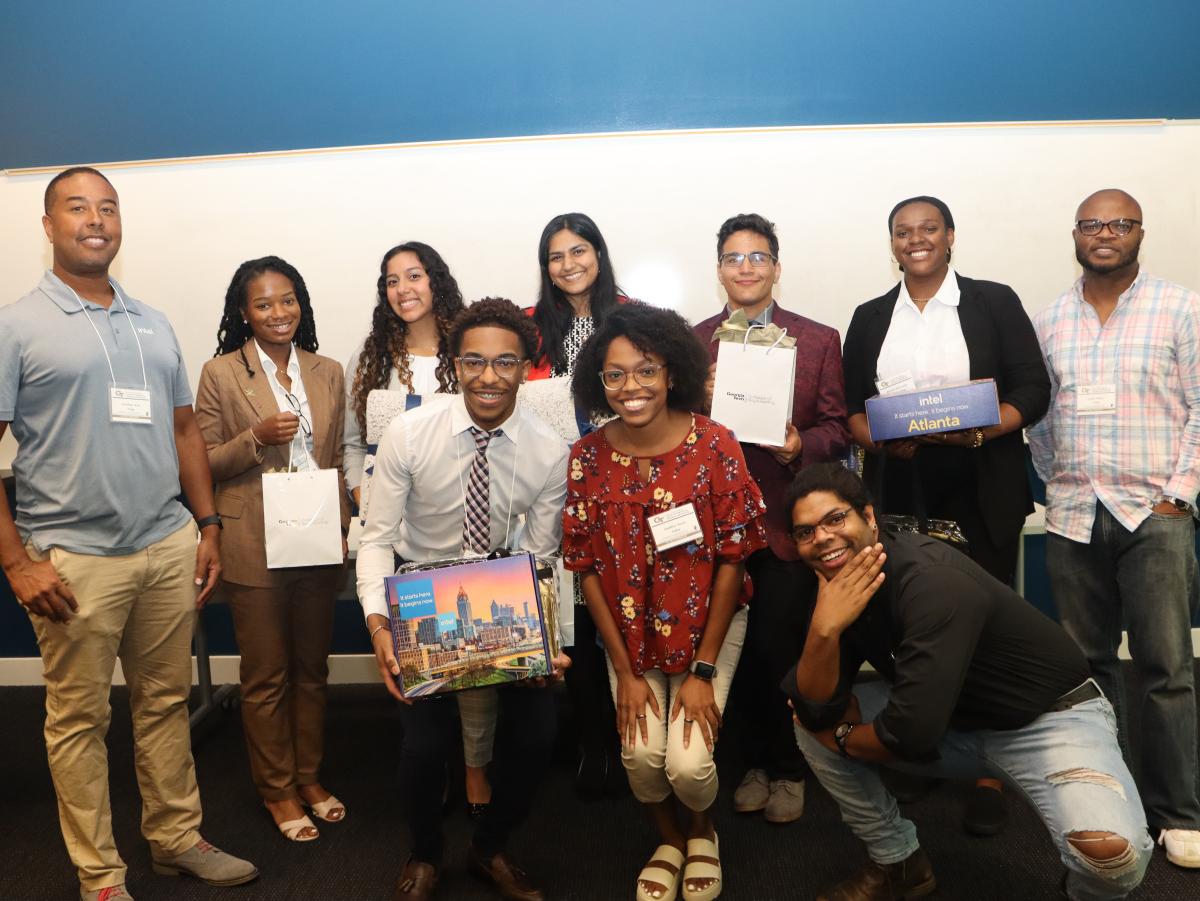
(590,851)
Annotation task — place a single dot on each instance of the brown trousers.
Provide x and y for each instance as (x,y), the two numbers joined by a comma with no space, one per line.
(284,634)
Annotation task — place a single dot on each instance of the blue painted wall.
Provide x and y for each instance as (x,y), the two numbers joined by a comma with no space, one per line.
(142,79)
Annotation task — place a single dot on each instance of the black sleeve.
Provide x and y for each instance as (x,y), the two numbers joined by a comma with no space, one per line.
(813,715)
(1024,377)
(940,618)
(859,382)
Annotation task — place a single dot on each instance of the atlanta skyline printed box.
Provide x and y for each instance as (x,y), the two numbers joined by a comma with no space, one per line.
(467,624)
(948,409)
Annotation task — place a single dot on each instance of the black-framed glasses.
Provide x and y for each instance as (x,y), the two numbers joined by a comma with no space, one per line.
(505,366)
(294,403)
(647,376)
(758,259)
(1119,227)
(830,522)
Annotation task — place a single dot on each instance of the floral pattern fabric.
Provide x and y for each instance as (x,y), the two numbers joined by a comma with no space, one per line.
(660,599)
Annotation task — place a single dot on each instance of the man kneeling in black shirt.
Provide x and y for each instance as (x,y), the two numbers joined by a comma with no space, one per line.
(976,683)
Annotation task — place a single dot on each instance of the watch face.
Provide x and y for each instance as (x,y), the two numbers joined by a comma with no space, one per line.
(842,730)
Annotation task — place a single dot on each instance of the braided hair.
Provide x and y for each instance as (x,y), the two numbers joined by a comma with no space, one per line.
(234,331)
(386,346)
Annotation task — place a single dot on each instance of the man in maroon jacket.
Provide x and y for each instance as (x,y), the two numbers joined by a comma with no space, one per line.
(748,268)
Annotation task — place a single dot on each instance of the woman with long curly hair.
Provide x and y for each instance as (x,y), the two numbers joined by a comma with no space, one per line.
(266,402)
(416,300)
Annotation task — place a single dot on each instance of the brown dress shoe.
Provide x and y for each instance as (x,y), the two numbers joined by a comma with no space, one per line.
(417,881)
(504,875)
(910,878)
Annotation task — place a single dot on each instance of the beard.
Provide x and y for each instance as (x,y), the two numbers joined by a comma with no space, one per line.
(1128,258)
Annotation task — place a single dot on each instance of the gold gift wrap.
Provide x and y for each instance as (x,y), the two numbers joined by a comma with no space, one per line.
(547,576)
(738,328)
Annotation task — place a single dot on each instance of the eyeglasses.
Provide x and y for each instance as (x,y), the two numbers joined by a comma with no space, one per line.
(473,366)
(1119,227)
(830,522)
(758,259)
(647,376)
(294,403)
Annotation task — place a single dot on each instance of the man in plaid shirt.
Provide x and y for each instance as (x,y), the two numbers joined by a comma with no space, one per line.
(1119,451)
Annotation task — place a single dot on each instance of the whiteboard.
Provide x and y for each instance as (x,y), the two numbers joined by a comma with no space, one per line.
(658,198)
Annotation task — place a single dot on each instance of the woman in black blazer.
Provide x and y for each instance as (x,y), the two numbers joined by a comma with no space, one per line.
(985,488)
(976,477)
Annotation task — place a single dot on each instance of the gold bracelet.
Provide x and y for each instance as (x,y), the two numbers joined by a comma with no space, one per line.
(978,443)
(386,625)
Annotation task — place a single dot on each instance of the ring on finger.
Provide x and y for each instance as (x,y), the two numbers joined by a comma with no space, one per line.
(686,720)
(641,716)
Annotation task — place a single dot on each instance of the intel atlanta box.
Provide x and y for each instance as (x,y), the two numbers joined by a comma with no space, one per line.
(969,406)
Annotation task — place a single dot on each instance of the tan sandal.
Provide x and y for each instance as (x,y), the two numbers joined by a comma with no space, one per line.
(663,869)
(331,810)
(703,862)
(293,830)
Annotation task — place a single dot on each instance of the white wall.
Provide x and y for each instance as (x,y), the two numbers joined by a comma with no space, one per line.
(659,199)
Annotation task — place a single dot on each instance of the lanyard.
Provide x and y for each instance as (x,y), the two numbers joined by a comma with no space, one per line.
(103,346)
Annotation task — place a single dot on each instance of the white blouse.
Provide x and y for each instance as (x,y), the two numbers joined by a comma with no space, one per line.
(424,380)
(929,345)
(301,451)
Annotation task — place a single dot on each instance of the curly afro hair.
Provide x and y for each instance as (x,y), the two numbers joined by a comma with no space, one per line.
(651,330)
(498,312)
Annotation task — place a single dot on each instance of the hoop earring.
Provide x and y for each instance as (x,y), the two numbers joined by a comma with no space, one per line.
(947,254)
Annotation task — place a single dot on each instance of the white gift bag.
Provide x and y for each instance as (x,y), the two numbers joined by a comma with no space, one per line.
(566,603)
(753,391)
(302,517)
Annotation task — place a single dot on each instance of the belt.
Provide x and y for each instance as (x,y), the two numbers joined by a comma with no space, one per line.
(1088,691)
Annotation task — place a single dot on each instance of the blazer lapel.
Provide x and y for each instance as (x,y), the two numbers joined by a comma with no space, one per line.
(971,319)
(878,329)
(317,390)
(256,388)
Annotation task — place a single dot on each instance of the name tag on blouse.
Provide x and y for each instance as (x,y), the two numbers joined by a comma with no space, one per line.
(674,527)
(129,405)
(1096,400)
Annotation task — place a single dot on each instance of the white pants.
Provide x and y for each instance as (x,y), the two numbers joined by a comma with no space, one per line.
(663,765)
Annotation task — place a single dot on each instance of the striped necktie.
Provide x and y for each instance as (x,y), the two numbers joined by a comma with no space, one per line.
(477,528)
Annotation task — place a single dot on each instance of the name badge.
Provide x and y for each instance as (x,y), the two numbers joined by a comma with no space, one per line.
(1095,400)
(129,405)
(895,384)
(674,527)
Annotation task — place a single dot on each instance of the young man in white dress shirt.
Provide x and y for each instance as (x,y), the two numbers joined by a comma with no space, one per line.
(418,512)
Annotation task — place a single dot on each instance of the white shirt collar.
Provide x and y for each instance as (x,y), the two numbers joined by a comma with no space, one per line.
(268,365)
(947,293)
(461,421)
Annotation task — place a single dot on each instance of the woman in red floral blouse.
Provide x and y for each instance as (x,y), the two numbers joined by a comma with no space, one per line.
(660,516)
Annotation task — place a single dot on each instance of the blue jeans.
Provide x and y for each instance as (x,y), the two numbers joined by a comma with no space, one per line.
(1145,580)
(1067,764)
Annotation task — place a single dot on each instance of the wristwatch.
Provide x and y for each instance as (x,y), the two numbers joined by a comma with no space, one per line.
(702,670)
(840,734)
(214,520)
(1179,504)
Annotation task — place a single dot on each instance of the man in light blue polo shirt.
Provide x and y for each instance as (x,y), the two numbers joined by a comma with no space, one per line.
(101,553)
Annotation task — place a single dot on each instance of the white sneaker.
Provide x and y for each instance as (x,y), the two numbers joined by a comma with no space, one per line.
(1183,846)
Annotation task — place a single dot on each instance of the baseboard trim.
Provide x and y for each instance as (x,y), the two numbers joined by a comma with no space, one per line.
(344,669)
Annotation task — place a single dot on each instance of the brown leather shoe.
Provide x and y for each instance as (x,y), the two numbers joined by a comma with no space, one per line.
(505,876)
(417,881)
(910,878)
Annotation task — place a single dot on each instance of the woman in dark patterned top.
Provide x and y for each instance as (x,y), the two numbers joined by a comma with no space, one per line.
(661,514)
(578,290)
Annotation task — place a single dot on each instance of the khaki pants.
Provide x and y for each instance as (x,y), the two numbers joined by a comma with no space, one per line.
(283,635)
(664,766)
(141,608)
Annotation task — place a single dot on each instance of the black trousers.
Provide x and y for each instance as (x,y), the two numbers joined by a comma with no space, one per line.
(587,684)
(524,741)
(775,632)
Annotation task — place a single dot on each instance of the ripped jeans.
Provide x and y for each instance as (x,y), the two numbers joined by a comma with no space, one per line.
(1067,764)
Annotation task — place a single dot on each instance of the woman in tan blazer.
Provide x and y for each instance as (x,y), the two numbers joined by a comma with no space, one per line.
(265,399)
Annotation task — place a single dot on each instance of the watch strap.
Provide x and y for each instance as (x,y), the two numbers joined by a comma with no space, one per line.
(214,520)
